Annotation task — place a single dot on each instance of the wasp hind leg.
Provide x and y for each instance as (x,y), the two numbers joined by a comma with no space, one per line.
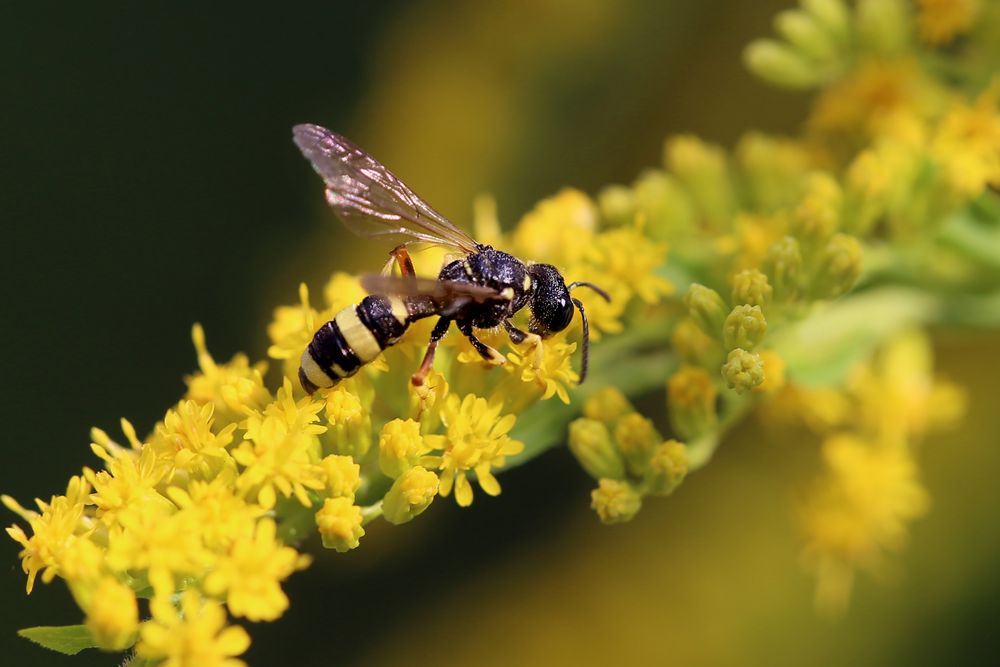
(485,351)
(400,257)
(517,337)
(440,329)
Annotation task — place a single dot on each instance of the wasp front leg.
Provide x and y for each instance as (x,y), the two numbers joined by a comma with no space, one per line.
(485,351)
(517,337)
(400,256)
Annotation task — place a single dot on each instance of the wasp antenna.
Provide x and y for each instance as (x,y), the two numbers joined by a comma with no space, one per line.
(584,283)
(586,341)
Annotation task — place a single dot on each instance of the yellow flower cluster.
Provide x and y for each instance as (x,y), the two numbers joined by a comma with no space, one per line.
(859,510)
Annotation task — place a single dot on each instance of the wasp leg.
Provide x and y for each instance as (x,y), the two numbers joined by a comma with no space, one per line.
(402,257)
(517,337)
(484,350)
(440,329)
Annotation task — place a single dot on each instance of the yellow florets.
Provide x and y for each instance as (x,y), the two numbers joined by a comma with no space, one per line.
(339,522)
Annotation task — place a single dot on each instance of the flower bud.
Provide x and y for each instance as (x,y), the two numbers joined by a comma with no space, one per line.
(745,327)
(691,401)
(833,15)
(743,370)
(615,501)
(608,405)
(772,167)
(837,267)
(751,287)
(342,474)
(783,267)
(818,214)
(884,26)
(400,446)
(804,32)
(339,523)
(636,436)
(665,205)
(706,308)
(780,64)
(350,423)
(668,466)
(703,171)
(694,346)
(617,204)
(410,495)
(590,442)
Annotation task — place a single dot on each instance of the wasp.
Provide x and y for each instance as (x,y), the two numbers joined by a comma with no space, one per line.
(481,290)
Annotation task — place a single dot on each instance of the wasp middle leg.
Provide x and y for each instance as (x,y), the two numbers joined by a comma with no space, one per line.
(440,329)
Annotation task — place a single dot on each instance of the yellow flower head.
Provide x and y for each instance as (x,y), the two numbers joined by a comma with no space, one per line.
(54,530)
(195,635)
(249,575)
(410,495)
(400,446)
(615,501)
(476,440)
(555,372)
(113,615)
(967,144)
(186,442)
(221,514)
(559,230)
(342,474)
(339,522)
(940,21)
(129,480)
(233,387)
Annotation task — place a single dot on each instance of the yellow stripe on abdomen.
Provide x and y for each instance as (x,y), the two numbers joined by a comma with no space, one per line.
(357,335)
(399,310)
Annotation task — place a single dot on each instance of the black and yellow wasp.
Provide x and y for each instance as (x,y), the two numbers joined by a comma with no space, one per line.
(482,290)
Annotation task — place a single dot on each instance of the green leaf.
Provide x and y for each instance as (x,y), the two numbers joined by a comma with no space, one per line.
(66,639)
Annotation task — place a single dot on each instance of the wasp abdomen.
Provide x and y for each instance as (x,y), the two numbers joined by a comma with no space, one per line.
(356,336)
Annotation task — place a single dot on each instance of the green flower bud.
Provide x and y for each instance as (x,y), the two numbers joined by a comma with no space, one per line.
(617,205)
(706,308)
(608,405)
(703,170)
(806,34)
(745,327)
(691,401)
(780,64)
(615,501)
(833,15)
(751,287)
(884,26)
(838,267)
(410,495)
(636,436)
(694,346)
(590,442)
(743,370)
(818,214)
(772,167)
(668,466)
(666,206)
(784,267)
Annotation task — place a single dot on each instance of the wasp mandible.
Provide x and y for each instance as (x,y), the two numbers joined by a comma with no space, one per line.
(483,290)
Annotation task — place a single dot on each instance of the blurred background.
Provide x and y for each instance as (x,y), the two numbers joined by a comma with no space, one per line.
(148,181)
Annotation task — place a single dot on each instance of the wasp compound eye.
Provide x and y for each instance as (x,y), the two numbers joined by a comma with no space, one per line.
(551,306)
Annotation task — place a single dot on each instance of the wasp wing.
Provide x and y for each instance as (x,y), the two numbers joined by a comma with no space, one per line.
(438,290)
(369,198)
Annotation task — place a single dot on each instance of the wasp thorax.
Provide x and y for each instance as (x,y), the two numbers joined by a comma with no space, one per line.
(551,306)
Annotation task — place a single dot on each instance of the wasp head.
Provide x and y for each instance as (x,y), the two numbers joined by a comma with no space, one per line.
(552,306)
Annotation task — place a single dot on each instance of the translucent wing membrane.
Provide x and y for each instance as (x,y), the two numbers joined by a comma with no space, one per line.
(438,290)
(369,198)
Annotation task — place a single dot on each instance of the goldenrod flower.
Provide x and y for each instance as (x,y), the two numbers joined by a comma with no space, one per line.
(249,575)
(691,401)
(668,465)
(54,530)
(636,436)
(185,440)
(555,372)
(232,387)
(342,476)
(410,495)
(400,447)
(476,441)
(113,615)
(615,501)
(590,443)
(607,405)
(196,635)
(339,522)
